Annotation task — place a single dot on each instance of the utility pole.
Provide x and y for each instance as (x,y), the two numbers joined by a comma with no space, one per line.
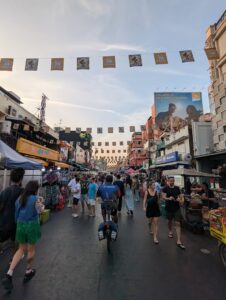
(43,111)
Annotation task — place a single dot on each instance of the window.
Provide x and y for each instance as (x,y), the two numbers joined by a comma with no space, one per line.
(222,100)
(224,128)
(113,151)
(119,151)
(223,114)
(107,151)
(219,123)
(221,137)
(218,110)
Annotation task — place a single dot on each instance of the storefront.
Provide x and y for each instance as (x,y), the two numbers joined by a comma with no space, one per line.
(36,151)
(168,162)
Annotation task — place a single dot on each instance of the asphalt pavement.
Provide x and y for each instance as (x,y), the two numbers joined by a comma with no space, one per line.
(72,264)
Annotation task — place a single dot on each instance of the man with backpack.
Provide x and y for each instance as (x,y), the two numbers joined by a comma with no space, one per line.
(8,198)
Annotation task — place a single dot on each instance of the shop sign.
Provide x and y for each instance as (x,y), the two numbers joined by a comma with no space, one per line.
(27,147)
(171,157)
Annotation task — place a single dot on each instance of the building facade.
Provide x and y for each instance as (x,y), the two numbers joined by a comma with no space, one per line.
(216,40)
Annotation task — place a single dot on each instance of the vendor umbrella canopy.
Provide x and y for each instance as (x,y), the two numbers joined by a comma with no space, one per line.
(130,171)
(10,159)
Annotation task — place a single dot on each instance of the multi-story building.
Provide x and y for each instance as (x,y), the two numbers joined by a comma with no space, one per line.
(21,130)
(216,40)
(136,152)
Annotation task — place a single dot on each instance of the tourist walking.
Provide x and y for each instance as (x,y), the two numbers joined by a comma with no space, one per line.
(27,209)
(71,186)
(136,188)
(92,192)
(172,195)
(151,207)
(129,195)
(119,183)
(8,199)
(76,194)
(84,191)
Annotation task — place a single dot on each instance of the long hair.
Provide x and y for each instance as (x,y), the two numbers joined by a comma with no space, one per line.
(30,189)
(129,181)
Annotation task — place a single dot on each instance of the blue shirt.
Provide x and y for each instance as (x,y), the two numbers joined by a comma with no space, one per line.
(108,191)
(92,189)
(28,213)
(157,187)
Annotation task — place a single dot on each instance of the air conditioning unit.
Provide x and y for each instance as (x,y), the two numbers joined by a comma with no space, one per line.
(5,127)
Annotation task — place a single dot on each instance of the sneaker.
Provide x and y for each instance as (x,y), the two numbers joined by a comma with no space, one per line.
(131,212)
(113,235)
(75,216)
(29,276)
(69,205)
(7,282)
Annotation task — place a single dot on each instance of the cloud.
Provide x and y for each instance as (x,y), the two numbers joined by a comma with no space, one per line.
(96,8)
(122,47)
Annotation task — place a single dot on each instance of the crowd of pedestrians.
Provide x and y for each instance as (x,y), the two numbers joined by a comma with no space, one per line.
(20,209)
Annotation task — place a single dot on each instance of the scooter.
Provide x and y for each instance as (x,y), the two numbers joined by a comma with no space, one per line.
(108,230)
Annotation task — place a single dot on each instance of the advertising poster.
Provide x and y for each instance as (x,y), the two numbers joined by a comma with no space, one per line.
(175,110)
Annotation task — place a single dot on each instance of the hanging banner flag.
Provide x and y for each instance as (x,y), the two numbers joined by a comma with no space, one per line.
(121,143)
(6,64)
(78,130)
(89,130)
(132,129)
(211,53)
(161,58)
(121,129)
(113,143)
(16,126)
(31,64)
(109,62)
(186,56)
(135,60)
(142,127)
(99,130)
(99,144)
(106,143)
(82,63)
(57,64)
(67,130)
(26,127)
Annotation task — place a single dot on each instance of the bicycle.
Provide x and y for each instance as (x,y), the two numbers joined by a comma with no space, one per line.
(108,229)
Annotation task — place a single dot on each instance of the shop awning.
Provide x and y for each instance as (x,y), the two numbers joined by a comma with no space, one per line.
(61,165)
(170,164)
(187,172)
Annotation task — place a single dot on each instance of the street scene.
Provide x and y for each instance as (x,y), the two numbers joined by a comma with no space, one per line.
(113,150)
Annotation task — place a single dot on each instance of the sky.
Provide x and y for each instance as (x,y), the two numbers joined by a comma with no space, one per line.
(94,28)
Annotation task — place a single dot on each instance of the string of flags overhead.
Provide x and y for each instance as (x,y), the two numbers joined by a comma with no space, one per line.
(109,129)
(83,63)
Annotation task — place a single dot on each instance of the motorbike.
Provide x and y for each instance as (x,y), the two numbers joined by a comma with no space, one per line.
(108,229)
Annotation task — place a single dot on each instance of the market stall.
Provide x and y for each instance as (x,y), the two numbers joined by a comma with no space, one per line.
(10,159)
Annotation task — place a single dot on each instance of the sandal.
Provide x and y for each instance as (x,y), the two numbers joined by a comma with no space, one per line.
(181,246)
(170,235)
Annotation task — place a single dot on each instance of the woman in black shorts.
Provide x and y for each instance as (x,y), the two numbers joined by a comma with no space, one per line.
(151,206)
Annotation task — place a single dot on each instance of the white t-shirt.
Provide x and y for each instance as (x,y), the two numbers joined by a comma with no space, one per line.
(77,191)
(72,184)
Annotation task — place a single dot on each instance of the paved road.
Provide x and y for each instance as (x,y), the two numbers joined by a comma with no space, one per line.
(72,264)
